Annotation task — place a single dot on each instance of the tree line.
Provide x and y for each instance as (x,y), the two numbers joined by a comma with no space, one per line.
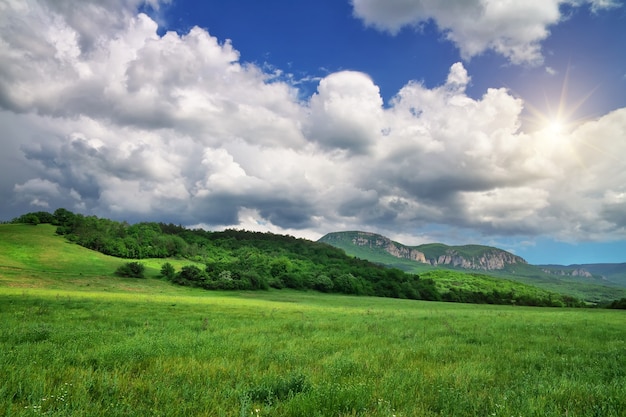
(236,259)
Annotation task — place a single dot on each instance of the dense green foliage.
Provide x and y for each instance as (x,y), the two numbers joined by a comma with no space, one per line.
(168,270)
(177,351)
(35,218)
(240,260)
(484,289)
(618,304)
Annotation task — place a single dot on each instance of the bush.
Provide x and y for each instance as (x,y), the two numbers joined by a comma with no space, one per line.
(131,269)
(168,271)
(191,275)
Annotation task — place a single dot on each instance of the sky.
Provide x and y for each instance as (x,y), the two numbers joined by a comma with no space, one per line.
(462,122)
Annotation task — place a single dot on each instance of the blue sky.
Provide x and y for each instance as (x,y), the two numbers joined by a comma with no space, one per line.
(457,122)
(312,39)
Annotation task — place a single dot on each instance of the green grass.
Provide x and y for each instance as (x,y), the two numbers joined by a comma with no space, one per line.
(99,345)
(291,354)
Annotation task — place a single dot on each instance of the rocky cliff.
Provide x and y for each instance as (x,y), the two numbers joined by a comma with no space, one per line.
(577,272)
(468,257)
(398,250)
(490,259)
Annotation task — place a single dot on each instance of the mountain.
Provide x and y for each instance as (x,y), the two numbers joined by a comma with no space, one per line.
(596,283)
(474,257)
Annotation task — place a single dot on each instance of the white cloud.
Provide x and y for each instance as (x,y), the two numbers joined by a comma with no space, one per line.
(118,121)
(37,192)
(514,29)
(346,113)
(38,186)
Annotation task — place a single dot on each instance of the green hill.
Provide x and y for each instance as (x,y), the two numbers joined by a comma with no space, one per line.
(227,260)
(594,288)
(371,252)
(34,256)
(382,249)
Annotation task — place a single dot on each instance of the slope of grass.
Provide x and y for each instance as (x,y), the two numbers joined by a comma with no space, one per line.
(37,248)
(32,256)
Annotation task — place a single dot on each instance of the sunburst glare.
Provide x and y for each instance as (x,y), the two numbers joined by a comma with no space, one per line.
(557,119)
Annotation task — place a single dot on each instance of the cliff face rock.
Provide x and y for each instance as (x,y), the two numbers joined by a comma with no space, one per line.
(373,240)
(578,272)
(486,259)
(491,259)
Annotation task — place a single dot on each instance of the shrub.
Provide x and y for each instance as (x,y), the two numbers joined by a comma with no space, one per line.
(168,271)
(190,275)
(131,269)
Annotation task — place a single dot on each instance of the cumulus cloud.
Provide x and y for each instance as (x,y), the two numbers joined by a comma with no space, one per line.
(346,113)
(117,120)
(512,29)
(37,191)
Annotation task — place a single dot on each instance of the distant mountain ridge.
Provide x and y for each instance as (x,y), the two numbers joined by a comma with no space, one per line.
(592,282)
(473,257)
(613,272)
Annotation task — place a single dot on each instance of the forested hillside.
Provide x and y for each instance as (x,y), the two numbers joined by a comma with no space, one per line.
(237,259)
(244,260)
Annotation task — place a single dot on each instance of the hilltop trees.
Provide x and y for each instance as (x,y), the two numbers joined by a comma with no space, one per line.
(236,259)
(34,218)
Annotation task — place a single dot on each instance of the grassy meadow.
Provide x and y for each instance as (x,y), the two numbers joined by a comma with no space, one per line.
(80,342)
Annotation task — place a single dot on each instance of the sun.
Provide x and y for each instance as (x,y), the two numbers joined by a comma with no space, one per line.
(553,122)
(558,117)
(555,126)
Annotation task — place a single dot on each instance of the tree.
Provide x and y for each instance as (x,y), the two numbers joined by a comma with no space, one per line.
(31,218)
(28,218)
(324,283)
(619,304)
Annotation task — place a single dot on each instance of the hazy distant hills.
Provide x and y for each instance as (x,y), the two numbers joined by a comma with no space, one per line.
(589,281)
(611,272)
